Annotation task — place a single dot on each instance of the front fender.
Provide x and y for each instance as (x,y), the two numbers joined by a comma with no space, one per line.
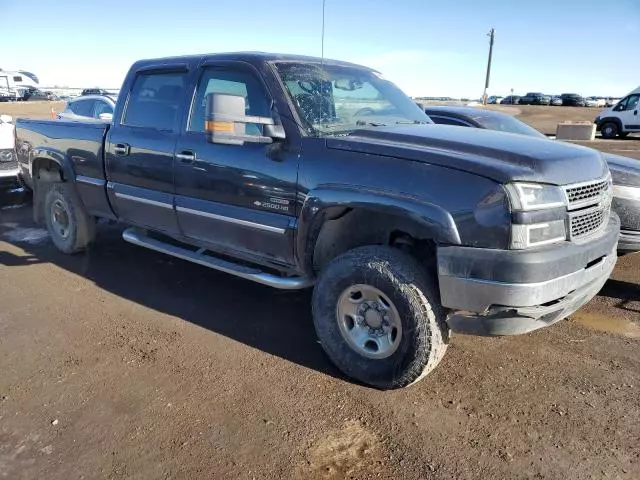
(604,120)
(433,219)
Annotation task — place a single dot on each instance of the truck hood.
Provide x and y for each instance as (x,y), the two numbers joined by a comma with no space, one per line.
(604,113)
(503,157)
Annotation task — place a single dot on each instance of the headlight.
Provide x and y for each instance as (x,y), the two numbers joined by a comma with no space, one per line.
(6,155)
(533,196)
(534,201)
(536,234)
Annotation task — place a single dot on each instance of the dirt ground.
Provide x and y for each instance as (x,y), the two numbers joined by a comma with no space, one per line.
(125,363)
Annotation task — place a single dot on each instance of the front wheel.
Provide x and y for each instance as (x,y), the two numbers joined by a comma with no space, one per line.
(378,318)
(609,130)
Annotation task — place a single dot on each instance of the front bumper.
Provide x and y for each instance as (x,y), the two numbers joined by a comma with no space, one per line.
(9,168)
(629,242)
(9,178)
(628,209)
(508,292)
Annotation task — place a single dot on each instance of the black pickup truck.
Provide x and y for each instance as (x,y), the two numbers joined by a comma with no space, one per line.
(296,172)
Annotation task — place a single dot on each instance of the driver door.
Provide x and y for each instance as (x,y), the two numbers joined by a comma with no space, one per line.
(237,198)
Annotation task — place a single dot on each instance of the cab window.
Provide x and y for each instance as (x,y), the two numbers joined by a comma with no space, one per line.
(628,103)
(632,102)
(232,82)
(154,101)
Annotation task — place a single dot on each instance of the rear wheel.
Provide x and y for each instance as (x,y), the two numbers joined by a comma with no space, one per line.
(378,318)
(69,226)
(609,130)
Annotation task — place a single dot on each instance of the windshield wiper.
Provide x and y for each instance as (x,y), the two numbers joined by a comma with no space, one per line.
(362,123)
(411,122)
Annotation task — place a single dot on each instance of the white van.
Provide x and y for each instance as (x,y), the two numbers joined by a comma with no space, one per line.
(621,119)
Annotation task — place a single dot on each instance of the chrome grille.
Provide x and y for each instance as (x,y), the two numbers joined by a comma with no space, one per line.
(586,193)
(8,160)
(587,222)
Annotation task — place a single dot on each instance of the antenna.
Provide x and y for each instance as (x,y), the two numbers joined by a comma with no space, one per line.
(322,44)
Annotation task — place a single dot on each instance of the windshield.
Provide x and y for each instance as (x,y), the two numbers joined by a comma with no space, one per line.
(506,123)
(334,99)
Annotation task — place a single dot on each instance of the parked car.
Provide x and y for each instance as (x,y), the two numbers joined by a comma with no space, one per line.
(611,101)
(479,118)
(95,91)
(625,171)
(8,161)
(535,98)
(495,100)
(556,101)
(572,100)
(297,171)
(33,94)
(511,100)
(591,102)
(6,95)
(622,119)
(97,107)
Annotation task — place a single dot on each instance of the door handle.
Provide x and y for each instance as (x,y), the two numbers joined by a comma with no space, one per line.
(121,149)
(186,157)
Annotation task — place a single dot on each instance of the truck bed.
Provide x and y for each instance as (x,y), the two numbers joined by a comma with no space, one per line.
(81,146)
(82,143)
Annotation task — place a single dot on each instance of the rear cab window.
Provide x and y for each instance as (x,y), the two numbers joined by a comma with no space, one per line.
(155,100)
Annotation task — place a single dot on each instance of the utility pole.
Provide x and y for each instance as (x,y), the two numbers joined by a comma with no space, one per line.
(491,35)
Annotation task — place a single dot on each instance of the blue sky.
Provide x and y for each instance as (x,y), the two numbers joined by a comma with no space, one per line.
(433,48)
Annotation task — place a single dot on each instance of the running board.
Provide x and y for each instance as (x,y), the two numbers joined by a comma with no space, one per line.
(138,237)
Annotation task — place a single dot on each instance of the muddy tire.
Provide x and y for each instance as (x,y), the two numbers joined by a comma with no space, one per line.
(378,318)
(609,130)
(71,229)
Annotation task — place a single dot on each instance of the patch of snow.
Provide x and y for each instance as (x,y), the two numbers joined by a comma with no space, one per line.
(33,236)
(11,207)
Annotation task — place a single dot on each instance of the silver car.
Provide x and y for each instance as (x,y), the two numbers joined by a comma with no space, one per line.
(96,107)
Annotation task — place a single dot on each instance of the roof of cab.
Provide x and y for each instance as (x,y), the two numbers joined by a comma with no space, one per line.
(249,57)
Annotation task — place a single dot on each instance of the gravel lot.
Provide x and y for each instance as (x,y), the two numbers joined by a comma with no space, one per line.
(125,363)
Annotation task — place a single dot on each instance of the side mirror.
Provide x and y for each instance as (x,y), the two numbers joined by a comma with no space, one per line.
(275,131)
(227,123)
(106,116)
(6,119)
